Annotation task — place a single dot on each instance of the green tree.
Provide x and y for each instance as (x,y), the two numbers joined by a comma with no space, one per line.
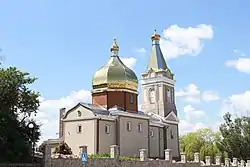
(63,148)
(203,141)
(235,136)
(17,103)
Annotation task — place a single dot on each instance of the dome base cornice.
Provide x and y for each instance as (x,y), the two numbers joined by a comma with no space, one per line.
(114,90)
(117,85)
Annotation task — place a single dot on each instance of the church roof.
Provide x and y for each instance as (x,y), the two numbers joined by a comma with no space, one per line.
(116,110)
(97,110)
(156,59)
(115,74)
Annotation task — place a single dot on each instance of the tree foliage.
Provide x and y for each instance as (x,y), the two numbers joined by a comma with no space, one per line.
(17,103)
(63,148)
(41,148)
(235,136)
(203,141)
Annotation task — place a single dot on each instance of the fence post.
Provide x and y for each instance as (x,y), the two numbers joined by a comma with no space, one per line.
(248,163)
(168,155)
(197,157)
(242,163)
(217,160)
(83,149)
(208,160)
(114,151)
(143,155)
(227,162)
(183,158)
(235,162)
(47,155)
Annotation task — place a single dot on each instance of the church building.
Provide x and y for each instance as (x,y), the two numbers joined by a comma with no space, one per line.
(113,117)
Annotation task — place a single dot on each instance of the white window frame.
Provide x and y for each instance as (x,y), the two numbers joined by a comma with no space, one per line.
(139,127)
(78,129)
(107,129)
(128,126)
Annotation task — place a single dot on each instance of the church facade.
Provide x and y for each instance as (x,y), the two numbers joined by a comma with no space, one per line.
(113,117)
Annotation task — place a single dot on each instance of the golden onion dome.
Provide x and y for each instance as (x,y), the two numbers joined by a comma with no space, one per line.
(115,74)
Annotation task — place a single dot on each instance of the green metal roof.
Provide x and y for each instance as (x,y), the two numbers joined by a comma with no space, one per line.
(156,59)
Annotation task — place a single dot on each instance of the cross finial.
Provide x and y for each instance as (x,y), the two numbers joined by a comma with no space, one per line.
(114,46)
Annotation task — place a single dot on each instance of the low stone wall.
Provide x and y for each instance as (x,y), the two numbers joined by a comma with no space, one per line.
(144,161)
(20,165)
(109,162)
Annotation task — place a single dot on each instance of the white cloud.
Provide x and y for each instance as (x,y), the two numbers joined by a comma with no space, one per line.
(190,90)
(241,64)
(209,96)
(48,114)
(177,41)
(193,115)
(141,50)
(185,126)
(129,62)
(192,99)
(192,94)
(237,104)
(193,119)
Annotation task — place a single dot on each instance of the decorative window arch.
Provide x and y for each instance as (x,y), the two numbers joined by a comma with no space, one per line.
(152,95)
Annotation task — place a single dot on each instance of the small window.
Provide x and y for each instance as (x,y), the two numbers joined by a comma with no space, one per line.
(131,99)
(139,127)
(169,96)
(79,113)
(79,128)
(151,133)
(171,134)
(107,129)
(128,126)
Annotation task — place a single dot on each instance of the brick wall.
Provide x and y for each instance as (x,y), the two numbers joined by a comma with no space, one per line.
(119,98)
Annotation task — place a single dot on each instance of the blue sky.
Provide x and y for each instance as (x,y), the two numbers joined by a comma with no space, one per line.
(64,42)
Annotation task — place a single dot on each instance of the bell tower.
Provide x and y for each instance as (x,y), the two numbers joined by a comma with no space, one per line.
(158,95)
(158,83)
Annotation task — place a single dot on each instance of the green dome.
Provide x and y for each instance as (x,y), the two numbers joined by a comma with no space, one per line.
(115,74)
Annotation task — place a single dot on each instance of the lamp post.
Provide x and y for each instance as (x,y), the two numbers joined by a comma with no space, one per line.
(31,126)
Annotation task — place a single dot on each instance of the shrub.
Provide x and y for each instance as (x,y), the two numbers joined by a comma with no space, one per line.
(104,155)
(107,155)
(124,158)
(63,148)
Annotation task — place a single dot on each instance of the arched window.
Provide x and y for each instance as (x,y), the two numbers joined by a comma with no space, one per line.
(152,95)
(169,99)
